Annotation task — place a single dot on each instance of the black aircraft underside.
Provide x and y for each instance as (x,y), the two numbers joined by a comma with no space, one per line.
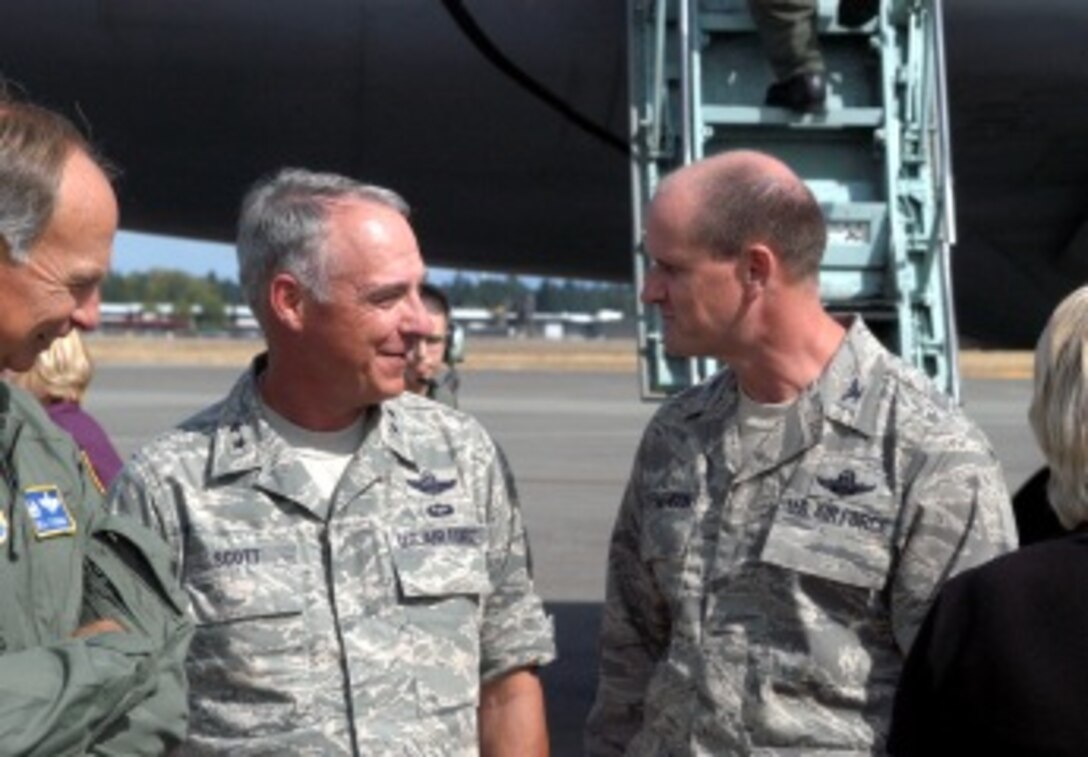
(194,99)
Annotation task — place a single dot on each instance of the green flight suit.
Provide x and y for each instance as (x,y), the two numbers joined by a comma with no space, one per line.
(64,562)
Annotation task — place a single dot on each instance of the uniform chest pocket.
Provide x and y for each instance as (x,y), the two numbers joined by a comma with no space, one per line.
(232,576)
(665,541)
(441,579)
(440,561)
(252,668)
(837,526)
(667,526)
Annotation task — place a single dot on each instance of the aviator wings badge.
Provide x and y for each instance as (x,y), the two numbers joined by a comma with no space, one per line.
(428,483)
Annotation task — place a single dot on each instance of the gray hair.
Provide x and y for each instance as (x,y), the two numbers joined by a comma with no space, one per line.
(1059,407)
(283,228)
(741,202)
(34,146)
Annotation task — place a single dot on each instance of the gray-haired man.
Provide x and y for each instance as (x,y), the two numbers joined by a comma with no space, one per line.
(354,555)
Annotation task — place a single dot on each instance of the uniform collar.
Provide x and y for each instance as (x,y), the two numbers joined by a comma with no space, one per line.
(848,392)
(845,392)
(391,430)
(244,442)
(851,388)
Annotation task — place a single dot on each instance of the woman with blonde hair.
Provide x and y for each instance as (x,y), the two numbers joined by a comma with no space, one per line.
(999,665)
(1059,412)
(59,379)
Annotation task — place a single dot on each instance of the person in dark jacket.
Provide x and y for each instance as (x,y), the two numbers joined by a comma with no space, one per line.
(999,665)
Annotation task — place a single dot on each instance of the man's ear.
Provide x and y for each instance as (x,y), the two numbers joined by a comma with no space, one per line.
(758,266)
(286,301)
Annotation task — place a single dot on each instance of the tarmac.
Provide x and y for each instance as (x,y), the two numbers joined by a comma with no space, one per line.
(570,435)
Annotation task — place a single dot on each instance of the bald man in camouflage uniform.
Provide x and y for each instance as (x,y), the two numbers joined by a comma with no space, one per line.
(787,522)
(354,555)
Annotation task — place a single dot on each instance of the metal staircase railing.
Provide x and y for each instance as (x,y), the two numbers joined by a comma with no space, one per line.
(878,160)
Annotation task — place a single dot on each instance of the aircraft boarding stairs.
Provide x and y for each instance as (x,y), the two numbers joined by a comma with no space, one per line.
(878,160)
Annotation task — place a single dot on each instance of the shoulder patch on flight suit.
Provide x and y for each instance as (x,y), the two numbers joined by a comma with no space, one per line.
(48,512)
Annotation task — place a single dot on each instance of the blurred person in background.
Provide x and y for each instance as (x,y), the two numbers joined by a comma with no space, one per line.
(431,370)
(59,379)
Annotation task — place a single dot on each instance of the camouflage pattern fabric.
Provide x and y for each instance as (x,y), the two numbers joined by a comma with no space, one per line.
(765,606)
(364,625)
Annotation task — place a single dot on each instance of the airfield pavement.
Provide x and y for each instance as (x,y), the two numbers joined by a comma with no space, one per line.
(569,417)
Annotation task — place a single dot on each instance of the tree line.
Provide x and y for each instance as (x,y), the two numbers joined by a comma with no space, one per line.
(204,300)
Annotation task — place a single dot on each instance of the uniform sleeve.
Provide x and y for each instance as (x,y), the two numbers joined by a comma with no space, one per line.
(83,695)
(515,630)
(634,633)
(129,579)
(958,516)
(139,494)
(53,697)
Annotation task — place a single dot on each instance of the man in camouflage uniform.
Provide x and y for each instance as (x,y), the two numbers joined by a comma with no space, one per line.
(92,640)
(354,555)
(787,522)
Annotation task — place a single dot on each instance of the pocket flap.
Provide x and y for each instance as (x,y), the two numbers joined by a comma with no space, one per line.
(230,576)
(849,544)
(439,561)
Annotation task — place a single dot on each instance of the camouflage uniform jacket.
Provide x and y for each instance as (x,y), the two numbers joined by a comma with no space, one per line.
(364,625)
(766,607)
(65,562)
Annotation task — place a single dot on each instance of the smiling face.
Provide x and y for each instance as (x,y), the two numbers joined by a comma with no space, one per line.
(57,289)
(359,338)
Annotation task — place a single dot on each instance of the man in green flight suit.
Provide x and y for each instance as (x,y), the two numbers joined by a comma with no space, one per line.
(92,637)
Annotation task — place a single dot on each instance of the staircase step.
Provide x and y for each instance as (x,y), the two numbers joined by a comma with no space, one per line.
(748,115)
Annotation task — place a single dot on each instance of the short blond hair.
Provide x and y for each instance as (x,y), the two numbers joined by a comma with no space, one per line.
(1059,407)
(61,373)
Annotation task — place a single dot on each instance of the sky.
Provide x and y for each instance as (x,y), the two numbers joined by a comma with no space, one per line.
(136,252)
